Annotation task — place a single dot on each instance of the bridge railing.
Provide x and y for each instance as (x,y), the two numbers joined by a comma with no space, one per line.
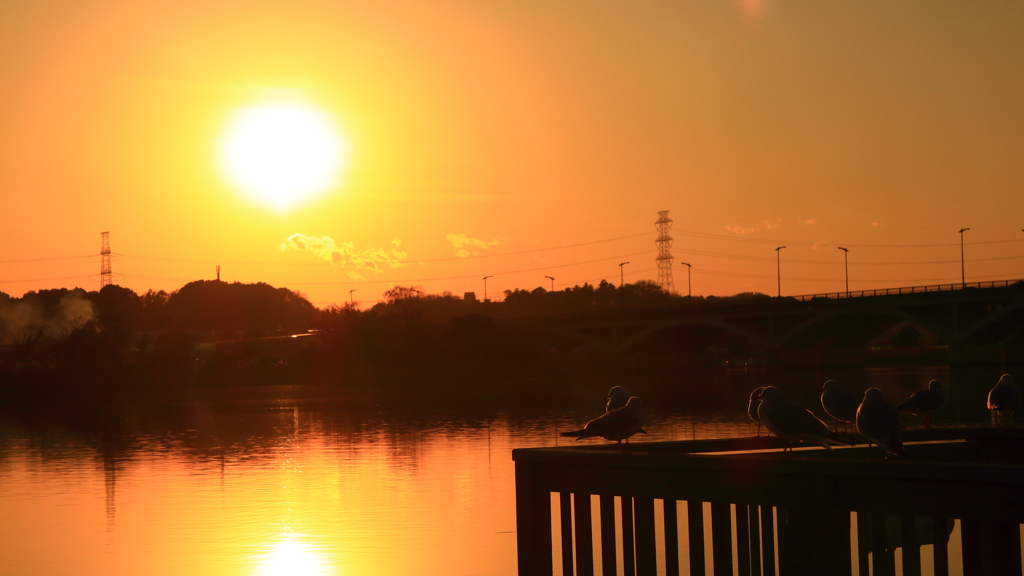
(906,290)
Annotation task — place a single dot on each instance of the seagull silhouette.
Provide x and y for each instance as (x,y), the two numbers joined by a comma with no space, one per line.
(839,403)
(617,425)
(1004,397)
(923,402)
(878,421)
(791,422)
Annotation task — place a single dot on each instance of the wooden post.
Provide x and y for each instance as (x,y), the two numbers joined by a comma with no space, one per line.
(628,557)
(646,544)
(533,523)
(721,538)
(768,540)
(565,522)
(755,539)
(911,549)
(695,526)
(671,538)
(941,553)
(584,534)
(743,541)
(608,556)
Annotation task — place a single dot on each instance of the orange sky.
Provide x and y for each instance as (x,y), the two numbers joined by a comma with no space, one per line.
(529,126)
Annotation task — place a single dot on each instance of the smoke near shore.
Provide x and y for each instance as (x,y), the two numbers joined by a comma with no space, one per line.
(27,319)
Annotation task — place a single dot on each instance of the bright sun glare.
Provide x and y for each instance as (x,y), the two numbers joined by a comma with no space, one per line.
(282,153)
(292,557)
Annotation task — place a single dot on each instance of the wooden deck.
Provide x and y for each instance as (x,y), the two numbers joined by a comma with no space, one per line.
(974,475)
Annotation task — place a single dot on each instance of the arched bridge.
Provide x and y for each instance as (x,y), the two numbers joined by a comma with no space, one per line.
(982,313)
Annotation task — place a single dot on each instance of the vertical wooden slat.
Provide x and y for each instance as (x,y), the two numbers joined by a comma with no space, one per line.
(911,548)
(695,526)
(940,549)
(608,557)
(533,523)
(767,540)
(628,547)
(742,541)
(671,537)
(883,562)
(990,546)
(755,539)
(864,543)
(721,539)
(646,545)
(584,535)
(565,521)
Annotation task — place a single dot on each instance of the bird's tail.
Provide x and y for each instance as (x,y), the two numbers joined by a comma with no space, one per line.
(834,438)
(573,434)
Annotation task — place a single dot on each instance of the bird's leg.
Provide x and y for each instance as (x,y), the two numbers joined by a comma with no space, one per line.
(620,446)
(758,429)
(927,421)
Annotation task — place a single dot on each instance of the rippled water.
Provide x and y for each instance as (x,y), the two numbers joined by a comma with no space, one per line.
(280,487)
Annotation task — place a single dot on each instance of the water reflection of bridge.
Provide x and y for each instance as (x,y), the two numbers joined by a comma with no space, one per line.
(813,513)
(984,314)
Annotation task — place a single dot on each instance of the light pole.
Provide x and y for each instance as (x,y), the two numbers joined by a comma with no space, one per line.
(846,264)
(485,293)
(552,282)
(689,290)
(350,301)
(778,267)
(622,284)
(963,277)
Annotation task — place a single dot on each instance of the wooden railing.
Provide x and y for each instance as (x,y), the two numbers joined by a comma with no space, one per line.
(811,500)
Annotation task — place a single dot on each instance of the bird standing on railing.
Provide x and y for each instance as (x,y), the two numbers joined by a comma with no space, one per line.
(755,401)
(878,421)
(839,403)
(617,425)
(791,422)
(617,398)
(923,402)
(1004,397)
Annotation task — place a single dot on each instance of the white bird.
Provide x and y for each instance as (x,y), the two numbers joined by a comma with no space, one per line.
(1004,397)
(616,398)
(924,402)
(878,421)
(791,422)
(618,425)
(755,401)
(839,403)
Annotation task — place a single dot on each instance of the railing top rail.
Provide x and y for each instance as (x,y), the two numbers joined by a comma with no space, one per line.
(906,290)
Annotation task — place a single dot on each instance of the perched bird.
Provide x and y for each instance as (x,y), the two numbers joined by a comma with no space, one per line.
(755,401)
(791,422)
(923,402)
(839,403)
(1004,397)
(878,421)
(618,424)
(616,398)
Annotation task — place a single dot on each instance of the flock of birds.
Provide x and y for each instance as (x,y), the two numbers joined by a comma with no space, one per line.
(872,416)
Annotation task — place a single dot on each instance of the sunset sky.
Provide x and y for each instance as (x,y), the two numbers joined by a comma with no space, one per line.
(516,138)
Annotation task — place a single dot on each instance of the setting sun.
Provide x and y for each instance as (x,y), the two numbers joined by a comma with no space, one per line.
(279,154)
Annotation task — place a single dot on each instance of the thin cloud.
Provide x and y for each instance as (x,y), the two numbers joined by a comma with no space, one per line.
(820,244)
(876,224)
(810,221)
(465,246)
(737,229)
(346,254)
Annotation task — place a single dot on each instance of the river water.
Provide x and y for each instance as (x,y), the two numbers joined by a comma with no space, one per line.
(238,486)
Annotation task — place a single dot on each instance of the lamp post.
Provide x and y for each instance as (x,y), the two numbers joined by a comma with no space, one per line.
(485,293)
(350,300)
(622,284)
(963,277)
(552,282)
(689,290)
(846,265)
(778,267)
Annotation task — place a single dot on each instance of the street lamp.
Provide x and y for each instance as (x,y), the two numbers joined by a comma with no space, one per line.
(689,291)
(552,282)
(350,301)
(846,264)
(963,278)
(622,284)
(778,267)
(485,293)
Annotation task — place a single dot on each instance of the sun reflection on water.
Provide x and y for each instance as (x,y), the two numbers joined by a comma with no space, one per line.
(290,556)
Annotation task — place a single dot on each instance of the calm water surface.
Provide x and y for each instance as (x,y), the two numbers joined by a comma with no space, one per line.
(232,487)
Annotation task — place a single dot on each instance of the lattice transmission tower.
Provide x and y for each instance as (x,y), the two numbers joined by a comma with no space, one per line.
(664,259)
(106,271)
